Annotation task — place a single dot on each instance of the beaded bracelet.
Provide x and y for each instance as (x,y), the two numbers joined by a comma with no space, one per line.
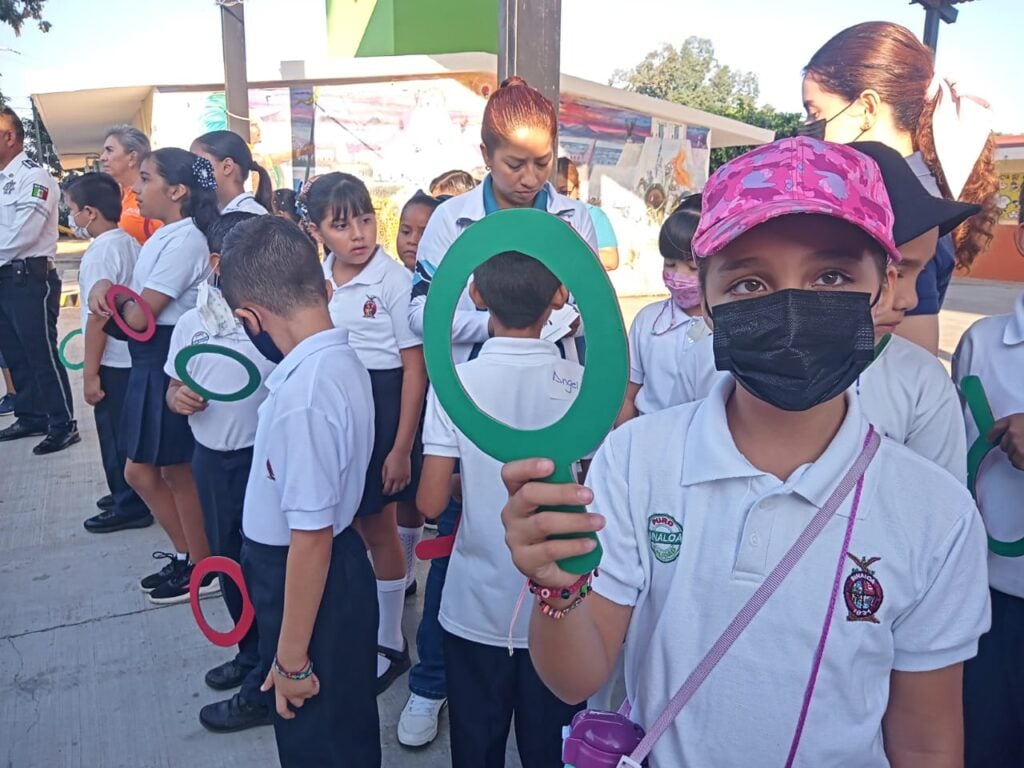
(307,671)
(545,593)
(583,585)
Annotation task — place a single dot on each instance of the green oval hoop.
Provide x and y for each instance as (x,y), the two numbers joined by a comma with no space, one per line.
(977,401)
(557,245)
(63,348)
(187,353)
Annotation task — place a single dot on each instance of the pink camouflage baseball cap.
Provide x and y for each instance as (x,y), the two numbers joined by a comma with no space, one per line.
(798,175)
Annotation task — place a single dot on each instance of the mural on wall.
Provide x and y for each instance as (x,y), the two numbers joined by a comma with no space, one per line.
(398,135)
(1010,185)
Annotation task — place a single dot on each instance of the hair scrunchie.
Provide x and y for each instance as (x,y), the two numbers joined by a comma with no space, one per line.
(202,173)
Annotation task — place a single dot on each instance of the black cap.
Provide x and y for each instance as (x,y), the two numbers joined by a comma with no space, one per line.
(915,208)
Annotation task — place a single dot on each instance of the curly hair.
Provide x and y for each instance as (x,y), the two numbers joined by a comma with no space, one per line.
(889,59)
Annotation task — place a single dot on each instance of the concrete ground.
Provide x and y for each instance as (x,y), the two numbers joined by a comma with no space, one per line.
(96,677)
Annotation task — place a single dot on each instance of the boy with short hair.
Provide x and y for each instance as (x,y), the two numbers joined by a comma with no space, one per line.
(224,434)
(512,379)
(94,208)
(306,568)
(993,350)
(699,504)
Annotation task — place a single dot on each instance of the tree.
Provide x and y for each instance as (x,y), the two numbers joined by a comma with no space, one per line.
(17,12)
(691,75)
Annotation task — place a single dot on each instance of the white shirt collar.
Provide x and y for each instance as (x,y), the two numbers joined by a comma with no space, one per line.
(506,347)
(1014,333)
(371,274)
(333,337)
(12,166)
(473,203)
(711,454)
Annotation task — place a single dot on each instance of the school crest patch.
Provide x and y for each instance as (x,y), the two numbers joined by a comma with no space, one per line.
(200,337)
(370,307)
(40,191)
(863,591)
(10,186)
(666,537)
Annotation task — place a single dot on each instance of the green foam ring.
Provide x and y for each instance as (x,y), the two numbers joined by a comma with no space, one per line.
(181,361)
(556,245)
(62,349)
(977,402)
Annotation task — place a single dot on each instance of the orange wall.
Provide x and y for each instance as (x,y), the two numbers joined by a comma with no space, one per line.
(1001,261)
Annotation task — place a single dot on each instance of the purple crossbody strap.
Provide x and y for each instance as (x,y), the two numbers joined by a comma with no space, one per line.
(756,602)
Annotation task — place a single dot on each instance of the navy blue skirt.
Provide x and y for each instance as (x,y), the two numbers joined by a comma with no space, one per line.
(151,433)
(387,408)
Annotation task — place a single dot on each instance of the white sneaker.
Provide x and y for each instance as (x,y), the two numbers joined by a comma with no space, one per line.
(417,726)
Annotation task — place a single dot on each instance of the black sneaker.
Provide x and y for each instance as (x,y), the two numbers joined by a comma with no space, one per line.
(154,580)
(110,520)
(176,588)
(234,714)
(228,675)
(58,440)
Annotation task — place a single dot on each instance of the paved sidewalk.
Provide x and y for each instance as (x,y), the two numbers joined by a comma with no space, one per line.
(96,677)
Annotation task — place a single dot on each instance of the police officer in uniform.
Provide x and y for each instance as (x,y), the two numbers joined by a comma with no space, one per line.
(30,295)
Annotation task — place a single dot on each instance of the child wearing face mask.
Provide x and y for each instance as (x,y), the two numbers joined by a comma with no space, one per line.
(666,329)
(94,208)
(224,434)
(371,301)
(788,564)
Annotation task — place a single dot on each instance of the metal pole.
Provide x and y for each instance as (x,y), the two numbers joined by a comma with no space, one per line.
(39,135)
(931,28)
(236,83)
(529,43)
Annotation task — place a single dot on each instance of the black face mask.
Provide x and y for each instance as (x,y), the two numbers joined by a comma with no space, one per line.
(795,349)
(815,129)
(264,344)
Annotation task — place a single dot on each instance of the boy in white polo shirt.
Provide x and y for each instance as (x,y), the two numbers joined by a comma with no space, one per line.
(905,393)
(512,380)
(993,350)
(94,208)
(306,568)
(224,433)
(856,658)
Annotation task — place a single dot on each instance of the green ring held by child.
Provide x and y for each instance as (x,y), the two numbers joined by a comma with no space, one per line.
(556,245)
(62,351)
(187,353)
(977,401)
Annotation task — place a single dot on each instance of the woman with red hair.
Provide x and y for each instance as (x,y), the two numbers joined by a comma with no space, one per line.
(877,82)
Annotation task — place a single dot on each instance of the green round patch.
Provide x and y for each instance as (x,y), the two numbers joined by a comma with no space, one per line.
(556,245)
(666,537)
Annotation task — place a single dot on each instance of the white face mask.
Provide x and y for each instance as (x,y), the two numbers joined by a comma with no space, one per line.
(82,233)
(214,311)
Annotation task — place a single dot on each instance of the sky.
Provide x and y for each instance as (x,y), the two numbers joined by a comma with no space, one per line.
(130,42)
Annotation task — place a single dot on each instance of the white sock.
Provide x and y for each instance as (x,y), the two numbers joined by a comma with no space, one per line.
(390,602)
(410,537)
(181,556)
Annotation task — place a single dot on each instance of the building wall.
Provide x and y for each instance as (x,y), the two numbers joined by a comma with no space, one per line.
(1001,261)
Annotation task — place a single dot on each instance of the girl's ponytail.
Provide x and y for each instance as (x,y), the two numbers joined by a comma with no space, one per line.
(264,193)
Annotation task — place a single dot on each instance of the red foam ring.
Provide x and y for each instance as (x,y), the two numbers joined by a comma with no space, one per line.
(233,571)
(432,549)
(123,290)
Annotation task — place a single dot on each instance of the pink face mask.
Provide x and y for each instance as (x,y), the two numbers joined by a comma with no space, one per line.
(685,289)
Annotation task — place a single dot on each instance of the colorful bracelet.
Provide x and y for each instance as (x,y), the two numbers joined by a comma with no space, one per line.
(307,671)
(546,593)
(558,613)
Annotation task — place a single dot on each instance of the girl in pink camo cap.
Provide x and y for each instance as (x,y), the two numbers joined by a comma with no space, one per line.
(801,591)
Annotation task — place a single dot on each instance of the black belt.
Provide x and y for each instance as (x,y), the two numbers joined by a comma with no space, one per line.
(20,266)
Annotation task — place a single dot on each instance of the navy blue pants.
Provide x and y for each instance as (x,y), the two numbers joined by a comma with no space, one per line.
(339,727)
(107,413)
(994,690)
(220,478)
(29,306)
(427,678)
(486,688)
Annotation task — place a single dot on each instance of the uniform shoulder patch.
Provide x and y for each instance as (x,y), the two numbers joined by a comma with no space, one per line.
(30,163)
(40,191)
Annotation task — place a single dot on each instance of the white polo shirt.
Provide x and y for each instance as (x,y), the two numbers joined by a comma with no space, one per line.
(174,261)
(374,308)
(220,426)
(661,332)
(513,380)
(905,393)
(313,442)
(693,528)
(29,197)
(993,350)
(111,256)
(449,221)
(246,203)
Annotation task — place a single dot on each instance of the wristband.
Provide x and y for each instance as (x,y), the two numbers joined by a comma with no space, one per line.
(558,613)
(307,671)
(581,585)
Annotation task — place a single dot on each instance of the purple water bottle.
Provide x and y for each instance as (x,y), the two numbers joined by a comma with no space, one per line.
(599,739)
